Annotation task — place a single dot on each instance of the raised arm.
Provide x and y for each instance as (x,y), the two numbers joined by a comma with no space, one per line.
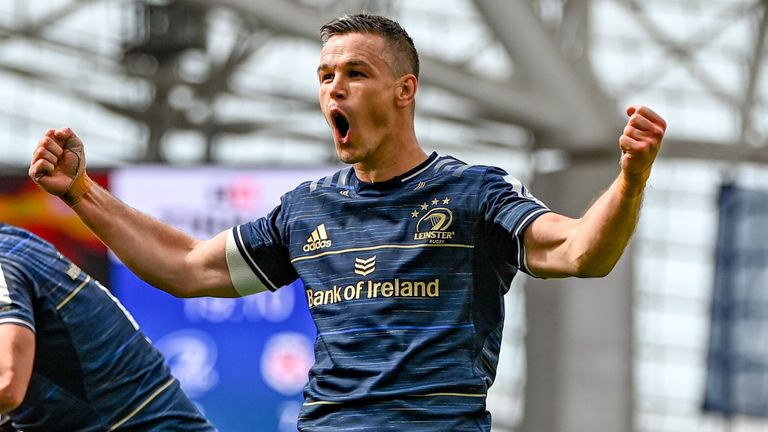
(558,246)
(160,254)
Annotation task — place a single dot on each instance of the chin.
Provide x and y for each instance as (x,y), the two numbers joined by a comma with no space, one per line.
(347,157)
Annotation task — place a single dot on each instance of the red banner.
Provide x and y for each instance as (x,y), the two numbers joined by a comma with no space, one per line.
(24,204)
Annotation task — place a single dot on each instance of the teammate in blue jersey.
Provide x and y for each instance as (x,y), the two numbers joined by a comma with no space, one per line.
(71,358)
(405,256)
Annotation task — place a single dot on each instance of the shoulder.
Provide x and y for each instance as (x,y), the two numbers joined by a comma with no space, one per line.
(13,239)
(23,250)
(14,275)
(449,166)
(338,179)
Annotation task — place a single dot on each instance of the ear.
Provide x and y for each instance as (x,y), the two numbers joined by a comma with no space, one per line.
(406,90)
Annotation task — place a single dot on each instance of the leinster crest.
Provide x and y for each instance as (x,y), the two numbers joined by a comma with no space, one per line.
(434,219)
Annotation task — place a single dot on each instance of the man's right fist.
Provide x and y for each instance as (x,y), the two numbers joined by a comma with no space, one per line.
(58,165)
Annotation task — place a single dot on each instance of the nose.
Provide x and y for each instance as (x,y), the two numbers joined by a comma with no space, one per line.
(338,88)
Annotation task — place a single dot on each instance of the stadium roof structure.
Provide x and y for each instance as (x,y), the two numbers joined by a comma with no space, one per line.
(232,81)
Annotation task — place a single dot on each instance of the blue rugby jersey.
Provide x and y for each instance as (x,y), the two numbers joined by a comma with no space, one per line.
(93,369)
(405,282)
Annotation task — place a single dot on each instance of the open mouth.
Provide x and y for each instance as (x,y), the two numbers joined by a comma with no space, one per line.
(342,124)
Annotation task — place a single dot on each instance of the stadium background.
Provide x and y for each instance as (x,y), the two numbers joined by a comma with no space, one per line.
(218,99)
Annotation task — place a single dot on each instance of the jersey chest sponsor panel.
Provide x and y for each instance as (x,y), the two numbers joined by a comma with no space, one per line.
(387,298)
(386,256)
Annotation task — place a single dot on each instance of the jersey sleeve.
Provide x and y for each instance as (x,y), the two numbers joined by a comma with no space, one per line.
(508,208)
(257,255)
(15,297)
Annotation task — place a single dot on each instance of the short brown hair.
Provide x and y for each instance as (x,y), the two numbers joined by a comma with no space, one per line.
(406,59)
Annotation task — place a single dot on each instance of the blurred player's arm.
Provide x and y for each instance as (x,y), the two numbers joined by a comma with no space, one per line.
(158,253)
(558,246)
(17,356)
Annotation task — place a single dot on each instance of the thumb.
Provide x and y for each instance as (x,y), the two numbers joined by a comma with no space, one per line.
(73,144)
(631,110)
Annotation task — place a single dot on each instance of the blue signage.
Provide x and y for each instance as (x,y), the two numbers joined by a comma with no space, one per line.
(244,361)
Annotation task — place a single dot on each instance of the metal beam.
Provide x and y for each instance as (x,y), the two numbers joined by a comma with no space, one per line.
(684,52)
(755,67)
(510,102)
(675,148)
(587,114)
(35,28)
(506,102)
(728,152)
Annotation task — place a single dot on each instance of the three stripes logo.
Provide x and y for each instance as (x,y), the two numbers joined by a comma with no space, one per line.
(318,239)
(364,267)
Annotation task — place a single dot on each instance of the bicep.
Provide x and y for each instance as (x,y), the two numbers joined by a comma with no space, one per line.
(209,258)
(17,354)
(546,242)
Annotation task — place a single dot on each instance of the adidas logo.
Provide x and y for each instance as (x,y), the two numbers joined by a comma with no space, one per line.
(365,267)
(318,239)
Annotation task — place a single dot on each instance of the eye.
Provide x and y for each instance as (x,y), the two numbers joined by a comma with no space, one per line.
(326,77)
(356,74)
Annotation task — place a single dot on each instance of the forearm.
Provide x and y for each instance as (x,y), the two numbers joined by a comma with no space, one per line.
(602,234)
(158,253)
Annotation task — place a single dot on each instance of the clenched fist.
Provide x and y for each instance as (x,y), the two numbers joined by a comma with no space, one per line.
(58,165)
(641,140)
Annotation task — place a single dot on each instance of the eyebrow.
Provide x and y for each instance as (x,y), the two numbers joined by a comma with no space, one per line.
(351,63)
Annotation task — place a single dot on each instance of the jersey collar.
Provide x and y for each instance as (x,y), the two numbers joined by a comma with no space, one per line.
(361,187)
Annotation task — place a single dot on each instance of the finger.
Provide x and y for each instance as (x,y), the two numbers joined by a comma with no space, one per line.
(51,145)
(640,111)
(638,121)
(43,153)
(49,132)
(627,144)
(40,169)
(641,134)
(636,141)
(631,139)
(64,134)
(643,149)
(652,116)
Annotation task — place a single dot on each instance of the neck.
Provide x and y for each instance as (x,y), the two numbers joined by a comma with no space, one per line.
(399,160)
